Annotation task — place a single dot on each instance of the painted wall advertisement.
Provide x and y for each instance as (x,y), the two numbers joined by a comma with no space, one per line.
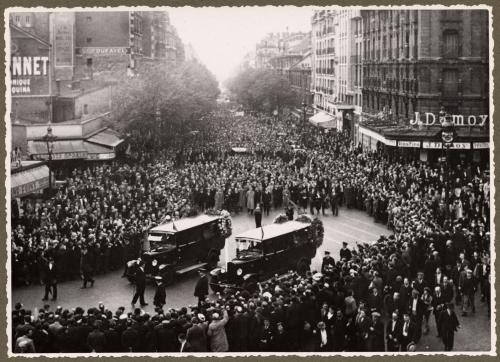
(29,66)
(63,44)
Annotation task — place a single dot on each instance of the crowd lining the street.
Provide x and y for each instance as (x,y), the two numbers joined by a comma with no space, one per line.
(438,257)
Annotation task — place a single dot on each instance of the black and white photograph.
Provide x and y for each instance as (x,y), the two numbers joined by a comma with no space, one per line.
(250,181)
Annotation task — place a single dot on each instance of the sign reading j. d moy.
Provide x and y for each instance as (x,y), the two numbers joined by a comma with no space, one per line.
(458,120)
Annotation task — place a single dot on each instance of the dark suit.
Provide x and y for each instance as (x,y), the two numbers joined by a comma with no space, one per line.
(50,280)
(393,335)
(417,316)
(201,289)
(410,335)
(140,286)
(438,303)
(86,269)
(376,337)
(328,346)
(449,324)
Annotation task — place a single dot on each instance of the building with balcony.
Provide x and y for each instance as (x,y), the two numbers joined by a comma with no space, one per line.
(337,71)
(323,60)
(421,61)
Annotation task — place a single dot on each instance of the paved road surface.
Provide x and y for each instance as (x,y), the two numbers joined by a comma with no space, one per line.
(350,226)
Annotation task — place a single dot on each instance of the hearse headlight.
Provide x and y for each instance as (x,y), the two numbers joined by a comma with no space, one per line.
(154,262)
(239,272)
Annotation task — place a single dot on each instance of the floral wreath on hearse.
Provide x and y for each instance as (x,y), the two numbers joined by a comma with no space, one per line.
(316,231)
(225,223)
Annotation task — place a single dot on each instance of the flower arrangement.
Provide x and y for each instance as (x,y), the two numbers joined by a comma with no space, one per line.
(304,218)
(280,219)
(224,224)
(318,231)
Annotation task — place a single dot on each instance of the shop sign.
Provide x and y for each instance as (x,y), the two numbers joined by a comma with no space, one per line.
(480,145)
(30,187)
(62,156)
(101,156)
(29,75)
(459,120)
(103,51)
(29,67)
(390,142)
(409,144)
(460,146)
(432,145)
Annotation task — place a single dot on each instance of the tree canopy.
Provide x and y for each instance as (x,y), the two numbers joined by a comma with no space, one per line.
(181,92)
(262,90)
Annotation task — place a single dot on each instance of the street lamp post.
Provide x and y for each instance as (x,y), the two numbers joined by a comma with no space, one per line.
(158,120)
(447,138)
(304,108)
(49,140)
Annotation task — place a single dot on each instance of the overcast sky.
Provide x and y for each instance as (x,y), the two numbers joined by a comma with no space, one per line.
(222,36)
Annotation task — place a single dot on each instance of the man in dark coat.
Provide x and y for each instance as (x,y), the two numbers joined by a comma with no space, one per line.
(376,334)
(86,268)
(50,279)
(166,337)
(239,327)
(201,288)
(345,253)
(449,325)
(408,332)
(140,284)
(96,339)
(258,216)
(328,263)
(324,341)
(197,335)
(393,333)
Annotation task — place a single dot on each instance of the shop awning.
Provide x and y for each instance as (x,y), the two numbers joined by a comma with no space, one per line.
(97,152)
(29,181)
(323,119)
(63,150)
(107,138)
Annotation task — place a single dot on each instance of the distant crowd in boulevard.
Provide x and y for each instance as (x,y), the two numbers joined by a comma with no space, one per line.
(382,296)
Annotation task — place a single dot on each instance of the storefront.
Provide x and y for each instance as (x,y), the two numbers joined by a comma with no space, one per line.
(424,144)
(29,177)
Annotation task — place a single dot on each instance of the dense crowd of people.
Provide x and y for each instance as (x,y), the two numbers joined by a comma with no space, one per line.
(438,257)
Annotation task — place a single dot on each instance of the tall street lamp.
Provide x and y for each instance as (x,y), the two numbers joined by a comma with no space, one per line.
(50,140)
(447,137)
(304,108)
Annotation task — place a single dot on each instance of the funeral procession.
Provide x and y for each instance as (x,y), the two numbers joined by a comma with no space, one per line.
(268,180)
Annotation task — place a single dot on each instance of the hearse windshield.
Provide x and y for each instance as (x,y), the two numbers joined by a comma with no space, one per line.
(248,248)
(161,240)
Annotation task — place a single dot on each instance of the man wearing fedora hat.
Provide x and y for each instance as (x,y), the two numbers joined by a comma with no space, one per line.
(449,325)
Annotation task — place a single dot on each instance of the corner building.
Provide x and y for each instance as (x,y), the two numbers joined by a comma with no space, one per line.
(423,61)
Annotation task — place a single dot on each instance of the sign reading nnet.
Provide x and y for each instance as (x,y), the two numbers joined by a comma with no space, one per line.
(28,75)
(459,120)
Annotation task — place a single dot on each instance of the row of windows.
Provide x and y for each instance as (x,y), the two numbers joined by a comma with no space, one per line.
(23,20)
